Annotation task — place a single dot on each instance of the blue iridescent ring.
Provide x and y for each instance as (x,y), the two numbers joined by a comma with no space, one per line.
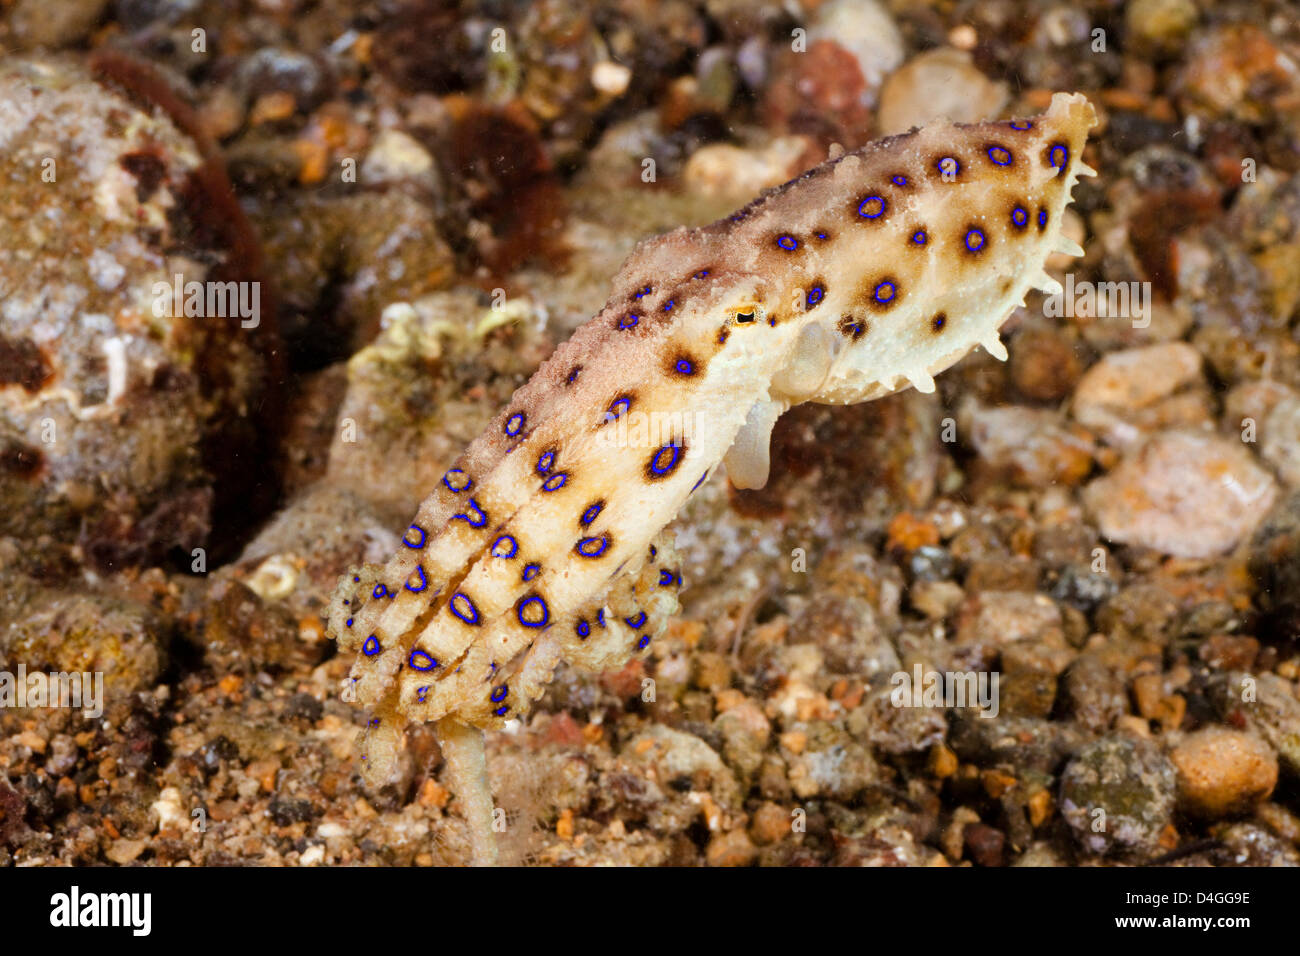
(666,459)
(456,480)
(533,612)
(464,608)
(421,661)
(873,207)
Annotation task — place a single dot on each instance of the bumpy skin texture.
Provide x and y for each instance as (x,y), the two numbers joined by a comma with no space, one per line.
(867,274)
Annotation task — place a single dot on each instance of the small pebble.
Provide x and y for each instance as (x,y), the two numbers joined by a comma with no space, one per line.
(936,84)
(1223,772)
(1185,493)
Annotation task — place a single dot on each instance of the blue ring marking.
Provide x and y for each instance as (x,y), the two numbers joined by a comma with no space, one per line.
(555,482)
(1042,218)
(427,664)
(668,306)
(644,292)
(629,320)
(348,622)
(952,168)
(573,375)
(641,644)
(1016,124)
(424,582)
(591,513)
(545,462)
(919,237)
(618,408)
(1064,156)
(684,366)
(999,155)
(464,608)
(371,647)
(899,180)
(665,577)
(974,239)
(499,693)
(700,482)
(528,602)
(657,464)
(702,274)
(1019,217)
(885,292)
(600,617)
(500,544)
(787,242)
(502,710)
(880,207)
(531,571)
(479,518)
(938,322)
(515,424)
(582,628)
(447,480)
(653,551)
(592,547)
(414,547)
(819,234)
(636,622)
(380,591)
(814,296)
(421,693)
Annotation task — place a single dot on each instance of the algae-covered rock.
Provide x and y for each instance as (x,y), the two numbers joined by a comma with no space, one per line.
(1117,795)
(108,392)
